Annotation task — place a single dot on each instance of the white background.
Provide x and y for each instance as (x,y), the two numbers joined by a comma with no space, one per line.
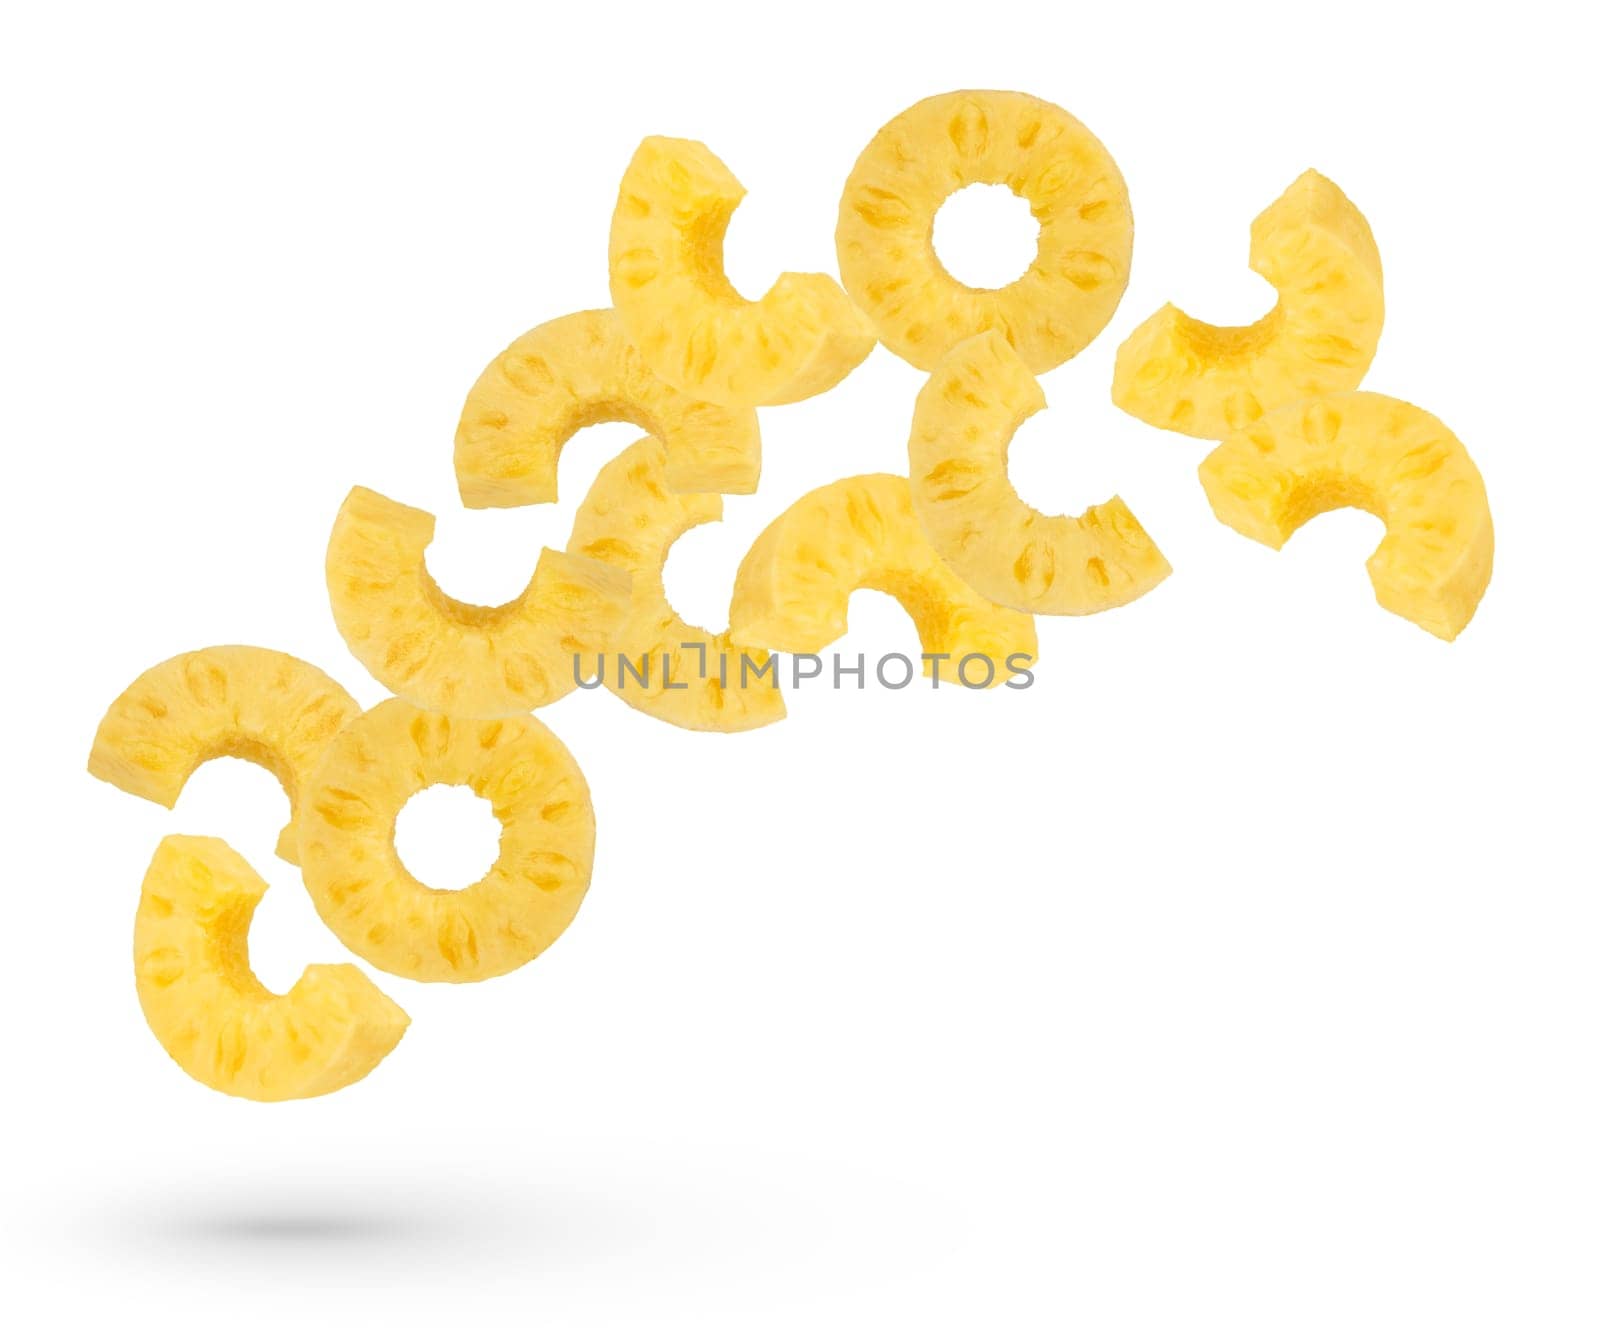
(1241,975)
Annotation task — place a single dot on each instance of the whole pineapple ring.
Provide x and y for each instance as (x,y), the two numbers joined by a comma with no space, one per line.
(1374,453)
(387,916)
(793,588)
(1057,565)
(577,371)
(679,309)
(233,701)
(1314,246)
(690,677)
(943,144)
(210,1013)
(438,653)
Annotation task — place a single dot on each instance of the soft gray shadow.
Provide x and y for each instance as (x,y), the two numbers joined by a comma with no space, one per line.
(344,1228)
(429,1224)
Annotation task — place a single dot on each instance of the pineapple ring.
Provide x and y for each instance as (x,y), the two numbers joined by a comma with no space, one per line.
(679,309)
(387,916)
(235,702)
(208,1010)
(1374,453)
(450,656)
(1006,549)
(1314,246)
(943,144)
(691,678)
(577,371)
(793,588)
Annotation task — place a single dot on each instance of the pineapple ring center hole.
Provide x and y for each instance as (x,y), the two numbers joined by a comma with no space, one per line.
(697,576)
(485,557)
(1239,309)
(985,236)
(750,253)
(1057,474)
(447,836)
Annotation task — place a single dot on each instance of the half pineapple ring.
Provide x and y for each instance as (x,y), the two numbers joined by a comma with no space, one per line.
(436,652)
(679,673)
(577,371)
(943,144)
(961,432)
(240,702)
(793,587)
(1378,454)
(679,309)
(394,921)
(207,1009)
(1314,246)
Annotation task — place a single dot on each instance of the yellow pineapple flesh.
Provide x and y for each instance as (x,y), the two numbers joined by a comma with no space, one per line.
(966,415)
(688,321)
(1378,454)
(447,655)
(793,587)
(943,144)
(379,909)
(1314,246)
(211,1014)
(231,701)
(680,673)
(578,371)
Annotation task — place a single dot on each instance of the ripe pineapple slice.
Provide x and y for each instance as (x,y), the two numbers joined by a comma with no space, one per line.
(793,587)
(473,661)
(240,702)
(1314,246)
(679,309)
(1382,455)
(690,677)
(966,415)
(943,144)
(577,371)
(206,1007)
(394,921)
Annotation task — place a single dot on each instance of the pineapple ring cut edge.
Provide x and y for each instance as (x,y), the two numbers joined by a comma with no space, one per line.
(452,656)
(580,370)
(233,701)
(1049,564)
(693,328)
(792,592)
(1317,251)
(884,236)
(383,913)
(211,1013)
(680,673)
(1394,460)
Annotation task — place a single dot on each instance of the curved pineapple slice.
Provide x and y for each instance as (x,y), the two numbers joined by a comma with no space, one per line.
(793,587)
(1056,565)
(474,661)
(678,672)
(1374,453)
(393,920)
(943,144)
(1314,246)
(679,309)
(577,371)
(234,701)
(208,1010)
